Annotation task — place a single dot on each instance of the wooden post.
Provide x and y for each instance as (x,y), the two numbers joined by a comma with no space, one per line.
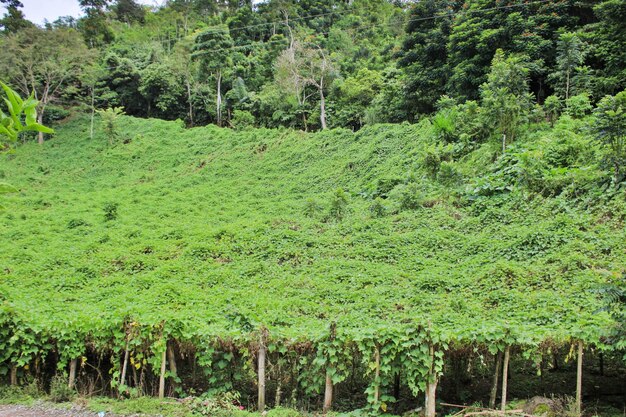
(328,390)
(431,386)
(505,375)
(261,375)
(496,376)
(72,377)
(377,376)
(162,377)
(328,393)
(13,375)
(579,379)
(171,360)
(124,366)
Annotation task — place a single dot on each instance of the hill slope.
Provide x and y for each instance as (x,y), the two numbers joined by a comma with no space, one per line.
(216,232)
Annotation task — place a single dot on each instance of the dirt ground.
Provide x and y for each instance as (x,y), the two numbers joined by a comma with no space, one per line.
(42,411)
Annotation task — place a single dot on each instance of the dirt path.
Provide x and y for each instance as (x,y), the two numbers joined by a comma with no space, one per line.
(42,411)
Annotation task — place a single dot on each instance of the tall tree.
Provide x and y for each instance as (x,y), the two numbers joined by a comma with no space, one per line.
(129,11)
(608,55)
(610,129)
(424,55)
(505,97)
(212,50)
(303,65)
(44,62)
(570,56)
(14,19)
(94,26)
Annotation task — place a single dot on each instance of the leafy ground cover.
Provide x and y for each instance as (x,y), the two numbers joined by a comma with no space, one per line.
(383,240)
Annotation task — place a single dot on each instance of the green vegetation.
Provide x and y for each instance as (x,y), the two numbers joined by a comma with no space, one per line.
(342,205)
(199,237)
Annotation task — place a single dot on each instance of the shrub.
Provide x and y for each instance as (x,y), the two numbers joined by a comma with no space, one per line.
(110,118)
(377,209)
(448,174)
(59,390)
(220,404)
(74,223)
(311,207)
(407,196)
(578,106)
(110,211)
(339,205)
(242,119)
(54,114)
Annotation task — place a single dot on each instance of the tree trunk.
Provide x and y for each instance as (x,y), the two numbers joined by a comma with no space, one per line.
(93,111)
(162,376)
(322,108)
(579,378)
(279,392)
(72,378)
(328,393)
(171,359)
(377,376)
(431,386)
(505,375)
(431,389)
(566,87)
(189,99)
(124,366)
(219,98)
(494,385)
(13,375)
(261,375)
(40,121)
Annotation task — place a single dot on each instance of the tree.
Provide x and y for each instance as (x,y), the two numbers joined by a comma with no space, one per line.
(607,54)
(300,66)
(609,126)
(552,106)
(129,11)
(354,96)
(14,19)
(505,96)
(570,56)
(212,50)
(45,62)
(94,26)
(424,55)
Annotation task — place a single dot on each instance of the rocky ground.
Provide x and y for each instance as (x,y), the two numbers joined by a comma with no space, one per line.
(45,411)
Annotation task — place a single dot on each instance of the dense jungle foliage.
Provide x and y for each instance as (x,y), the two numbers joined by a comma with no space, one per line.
(379,196)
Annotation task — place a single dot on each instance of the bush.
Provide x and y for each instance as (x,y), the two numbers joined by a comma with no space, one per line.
(407,196)
(339,205)
(578,106)
(54,114)
(59,390)
(242,119)
(448,174)
(110,211)
(311,207)
(220,404)
(110,117)
(377,209)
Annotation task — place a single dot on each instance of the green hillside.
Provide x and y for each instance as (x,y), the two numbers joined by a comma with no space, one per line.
(218,232)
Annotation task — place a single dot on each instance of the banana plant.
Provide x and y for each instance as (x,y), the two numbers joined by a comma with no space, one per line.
(11,125)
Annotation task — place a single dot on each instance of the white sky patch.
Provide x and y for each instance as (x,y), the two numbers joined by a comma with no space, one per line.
(39,10)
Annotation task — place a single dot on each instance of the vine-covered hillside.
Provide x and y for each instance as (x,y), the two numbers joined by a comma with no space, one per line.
(217,232)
